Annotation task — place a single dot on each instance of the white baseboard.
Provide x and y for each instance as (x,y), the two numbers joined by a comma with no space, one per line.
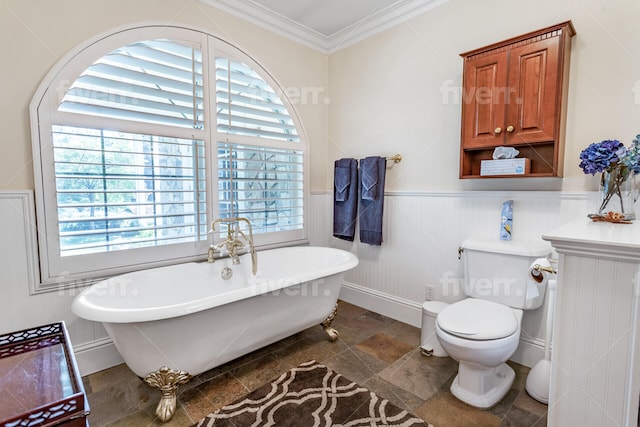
(391,306)
(529,352)
(96,356)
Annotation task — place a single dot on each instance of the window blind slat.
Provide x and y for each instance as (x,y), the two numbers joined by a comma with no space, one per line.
(131,243)
(249,122)
(118,230)
(254,109)
(104,88)
(110,205)
(235,130)
(126,103)
(100,216)
(246,105)
(244,77)
(126,114)
(123,177)
(88,150)
(228,90)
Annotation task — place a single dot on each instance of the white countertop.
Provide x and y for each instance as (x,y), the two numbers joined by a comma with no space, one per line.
(621,241)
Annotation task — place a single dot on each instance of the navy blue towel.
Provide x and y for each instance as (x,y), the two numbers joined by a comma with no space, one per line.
(345,198)
(372,174)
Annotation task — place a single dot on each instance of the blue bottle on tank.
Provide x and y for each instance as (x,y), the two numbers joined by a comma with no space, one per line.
(506,220)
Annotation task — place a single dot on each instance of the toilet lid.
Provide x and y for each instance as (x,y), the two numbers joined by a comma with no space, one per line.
(477,319)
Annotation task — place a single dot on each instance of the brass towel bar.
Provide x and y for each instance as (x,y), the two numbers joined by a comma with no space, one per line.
(396,159)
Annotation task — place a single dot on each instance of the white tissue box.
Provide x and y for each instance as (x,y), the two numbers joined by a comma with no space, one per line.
(518,166)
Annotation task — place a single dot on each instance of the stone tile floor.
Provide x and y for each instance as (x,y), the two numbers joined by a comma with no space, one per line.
(373,350)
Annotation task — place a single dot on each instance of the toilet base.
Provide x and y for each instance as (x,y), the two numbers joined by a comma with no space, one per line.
(480,386)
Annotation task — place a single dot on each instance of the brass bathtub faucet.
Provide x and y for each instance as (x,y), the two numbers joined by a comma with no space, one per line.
(235,241)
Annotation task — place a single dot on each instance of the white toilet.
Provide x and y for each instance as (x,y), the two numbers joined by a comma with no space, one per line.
(482,332)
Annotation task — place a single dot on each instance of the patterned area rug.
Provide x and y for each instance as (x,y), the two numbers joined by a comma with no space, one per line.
(308,396)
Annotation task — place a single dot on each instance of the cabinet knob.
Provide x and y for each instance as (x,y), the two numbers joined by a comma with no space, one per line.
(510,128)
(497,130)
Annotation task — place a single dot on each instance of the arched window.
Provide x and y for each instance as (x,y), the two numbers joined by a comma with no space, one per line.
(143,136)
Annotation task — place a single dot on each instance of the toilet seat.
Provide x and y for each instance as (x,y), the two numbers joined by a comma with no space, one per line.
(477,319)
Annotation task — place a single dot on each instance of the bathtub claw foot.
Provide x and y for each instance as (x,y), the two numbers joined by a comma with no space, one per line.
(333,334)
(168,381)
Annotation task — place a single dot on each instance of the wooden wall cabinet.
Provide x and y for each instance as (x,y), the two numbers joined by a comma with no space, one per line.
(514,94)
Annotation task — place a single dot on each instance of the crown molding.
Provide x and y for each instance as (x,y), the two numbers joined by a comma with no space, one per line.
(273,21)
(383,19)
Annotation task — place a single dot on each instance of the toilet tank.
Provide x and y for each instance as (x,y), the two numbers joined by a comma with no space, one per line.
(498,271)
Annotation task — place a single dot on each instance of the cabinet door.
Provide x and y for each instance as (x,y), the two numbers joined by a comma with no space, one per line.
(483,98)
(532,113)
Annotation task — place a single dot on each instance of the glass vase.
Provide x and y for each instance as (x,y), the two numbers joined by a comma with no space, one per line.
(618,196)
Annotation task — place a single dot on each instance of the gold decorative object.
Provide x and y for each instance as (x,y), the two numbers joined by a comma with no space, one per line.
(396,159)
(168,381)
(326,324)
(614,217)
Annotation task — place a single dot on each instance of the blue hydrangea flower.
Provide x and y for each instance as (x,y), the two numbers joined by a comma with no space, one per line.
(632,158)
(600,156)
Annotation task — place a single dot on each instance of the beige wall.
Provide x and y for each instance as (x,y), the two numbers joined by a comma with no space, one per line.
(395,92)
(34,35)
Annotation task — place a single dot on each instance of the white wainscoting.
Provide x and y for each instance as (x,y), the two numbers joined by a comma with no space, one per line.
(422,232)
(21,307)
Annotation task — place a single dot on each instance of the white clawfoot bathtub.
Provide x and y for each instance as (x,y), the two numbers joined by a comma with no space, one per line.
(186,319)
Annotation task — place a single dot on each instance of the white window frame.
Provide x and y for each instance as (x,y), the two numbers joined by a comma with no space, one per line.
(61,272)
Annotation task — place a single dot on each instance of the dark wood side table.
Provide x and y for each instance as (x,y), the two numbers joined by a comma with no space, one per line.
(39,380)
